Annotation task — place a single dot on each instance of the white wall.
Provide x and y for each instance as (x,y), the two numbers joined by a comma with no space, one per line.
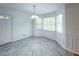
(72,28)
(22,26)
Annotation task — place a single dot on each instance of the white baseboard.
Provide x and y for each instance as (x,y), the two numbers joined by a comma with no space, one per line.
(21,38)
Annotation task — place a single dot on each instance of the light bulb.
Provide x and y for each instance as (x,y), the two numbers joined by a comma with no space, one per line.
(33,16)
(36,17)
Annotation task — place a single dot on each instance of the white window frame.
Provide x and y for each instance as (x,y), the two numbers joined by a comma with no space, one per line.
(55,23)
(62,22)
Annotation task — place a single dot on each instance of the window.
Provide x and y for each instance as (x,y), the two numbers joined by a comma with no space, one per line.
(59,23)
(49,23)
(38,23)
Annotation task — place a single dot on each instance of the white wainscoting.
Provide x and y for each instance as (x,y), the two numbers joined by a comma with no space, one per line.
(69,42)
(72,42)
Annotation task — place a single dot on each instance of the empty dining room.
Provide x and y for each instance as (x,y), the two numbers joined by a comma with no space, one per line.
(39,29)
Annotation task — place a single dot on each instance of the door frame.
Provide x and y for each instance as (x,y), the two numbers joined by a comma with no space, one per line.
(11,18)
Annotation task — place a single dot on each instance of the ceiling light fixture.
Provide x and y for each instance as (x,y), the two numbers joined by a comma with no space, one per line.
(34,16)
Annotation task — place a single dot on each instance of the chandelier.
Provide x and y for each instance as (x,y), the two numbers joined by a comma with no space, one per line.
(34,16)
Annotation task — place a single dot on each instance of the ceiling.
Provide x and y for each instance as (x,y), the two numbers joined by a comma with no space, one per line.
(41,8)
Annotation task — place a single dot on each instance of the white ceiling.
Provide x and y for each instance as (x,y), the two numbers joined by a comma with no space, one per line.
(41,8)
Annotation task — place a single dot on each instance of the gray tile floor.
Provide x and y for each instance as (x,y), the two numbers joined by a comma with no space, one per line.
(32,46)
